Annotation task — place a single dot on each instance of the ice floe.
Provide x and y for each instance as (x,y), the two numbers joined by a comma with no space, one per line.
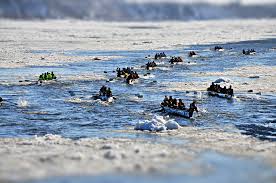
(222,80)
(22,103)
(157,124)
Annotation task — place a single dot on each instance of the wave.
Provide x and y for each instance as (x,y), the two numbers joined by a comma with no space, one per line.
(122,10)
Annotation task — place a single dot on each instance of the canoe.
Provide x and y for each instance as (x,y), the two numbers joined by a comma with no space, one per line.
(221,95)
(176,62)
(250,53)
(104,98)
(183,113)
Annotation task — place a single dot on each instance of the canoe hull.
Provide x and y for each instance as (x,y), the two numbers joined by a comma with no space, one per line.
(219,49)
(104,98)
(176,62)
(150,68)
(177,112)
(220,95)
(41,82)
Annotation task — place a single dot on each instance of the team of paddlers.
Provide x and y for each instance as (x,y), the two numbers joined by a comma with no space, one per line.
(124,72)
(192,53)
(160,55)
(176,60)
(248,52)
(218,89)
(173,103)
(217,48)
(127,73)
(105,91)
(132,76)
(47,76)
(177,104)
(150,65)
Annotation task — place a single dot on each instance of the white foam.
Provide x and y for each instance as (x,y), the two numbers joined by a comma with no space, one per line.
(165,68)
(22,103)
(75,100)
(191,63)
(148,76)
(157,124)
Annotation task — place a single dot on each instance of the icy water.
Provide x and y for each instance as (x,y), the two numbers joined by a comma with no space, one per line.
(66,108)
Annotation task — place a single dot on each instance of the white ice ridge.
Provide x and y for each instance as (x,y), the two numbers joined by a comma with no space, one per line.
(157,124)
(222,80)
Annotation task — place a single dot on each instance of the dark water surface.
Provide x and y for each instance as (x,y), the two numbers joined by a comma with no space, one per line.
(50,109)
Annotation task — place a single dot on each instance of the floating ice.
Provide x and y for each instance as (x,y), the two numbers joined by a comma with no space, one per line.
(22,103)
(75,100)
(52,137)
(148,76)
(183,123)
(157,124)
(172,125)
(222,80)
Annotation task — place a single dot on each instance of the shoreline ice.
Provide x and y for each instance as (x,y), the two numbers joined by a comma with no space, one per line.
(51,155)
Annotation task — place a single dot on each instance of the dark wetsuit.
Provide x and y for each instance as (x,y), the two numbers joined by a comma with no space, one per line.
(103,90)
(166,101)
(109,93)
(193,108)
(181,105)
(231,92)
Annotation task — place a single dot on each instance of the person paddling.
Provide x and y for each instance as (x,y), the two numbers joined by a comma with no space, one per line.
(231,91)
(193,108)
(166,101)
(103,91)
(181,105)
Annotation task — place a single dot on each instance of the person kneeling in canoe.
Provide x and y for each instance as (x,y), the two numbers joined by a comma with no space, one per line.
(212,87)
(230,91)
(181,105)
(175,103)
(108,92)
(170,102)
(165,101)
(193,108)
(103,91)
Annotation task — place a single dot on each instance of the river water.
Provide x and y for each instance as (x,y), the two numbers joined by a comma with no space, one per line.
(66,108)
